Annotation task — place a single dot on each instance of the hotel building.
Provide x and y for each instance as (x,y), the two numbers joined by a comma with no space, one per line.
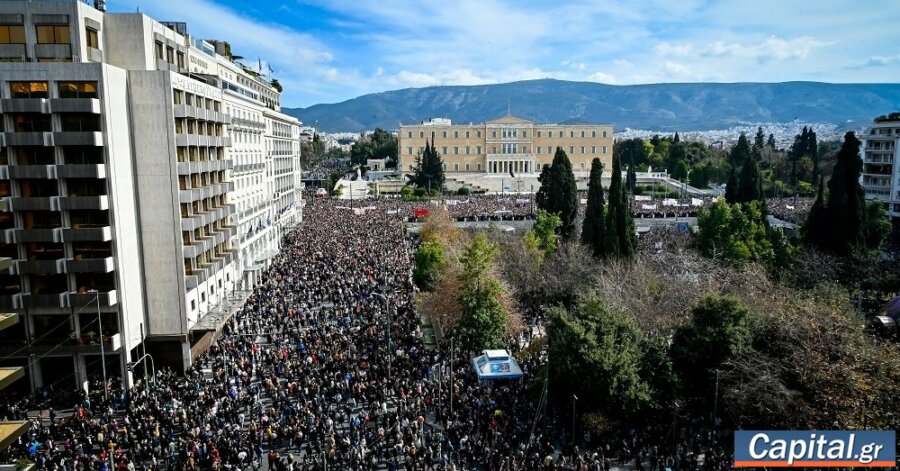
(128,218)
(506,145)
(880,149)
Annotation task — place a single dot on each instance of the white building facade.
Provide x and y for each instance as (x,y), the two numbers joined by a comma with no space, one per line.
(880,150)
(127,213)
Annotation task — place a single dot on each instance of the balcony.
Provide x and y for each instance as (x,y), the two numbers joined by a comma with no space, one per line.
(26,105)
(61,52)
(11,301)
(75,105)
(12,51)
(51,300)
(78,138)
(107,298)
(81,171)
(34,203)
(32,171)
(100,202)
(90,265)
(41,267)
(40,139)
(87,234)
(38,235)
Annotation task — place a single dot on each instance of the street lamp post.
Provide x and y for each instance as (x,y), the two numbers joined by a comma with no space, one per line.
(102,349)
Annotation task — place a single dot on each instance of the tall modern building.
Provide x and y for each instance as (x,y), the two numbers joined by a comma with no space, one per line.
(136,164)
(880,150)
(505,145)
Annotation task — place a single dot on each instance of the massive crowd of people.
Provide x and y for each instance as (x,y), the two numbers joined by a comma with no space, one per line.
(324,367)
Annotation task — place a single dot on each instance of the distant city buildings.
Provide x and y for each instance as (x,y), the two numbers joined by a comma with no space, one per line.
(724,138)
(503,146)
(880,149)
(148,179)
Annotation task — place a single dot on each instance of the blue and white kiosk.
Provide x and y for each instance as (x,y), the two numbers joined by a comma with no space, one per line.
(496,364)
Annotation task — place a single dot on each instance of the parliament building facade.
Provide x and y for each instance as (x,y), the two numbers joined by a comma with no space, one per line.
(506,145)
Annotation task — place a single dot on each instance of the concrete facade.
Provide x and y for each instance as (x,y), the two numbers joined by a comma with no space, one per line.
(879,151)
(118,166)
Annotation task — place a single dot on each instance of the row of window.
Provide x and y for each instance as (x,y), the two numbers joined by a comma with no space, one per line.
(70,122)
(46,34)
(510,133)
(180,97)
(478,167)
(167,53)
(513,149)
(42,89)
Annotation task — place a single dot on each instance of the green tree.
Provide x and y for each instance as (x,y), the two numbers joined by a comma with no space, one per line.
(740,152)
(815,229)
(597,354)
(677,153)
(634,151)
(680,172)
(759,141)
(558,193)
(543,235)
(720,328)
(734,232)
(592,227)
(846,208)
(631,178)
(731,187)
(482,321)
(429,263)
(770,142)
(429,172)
(877,225)
(750,182)
(620,239)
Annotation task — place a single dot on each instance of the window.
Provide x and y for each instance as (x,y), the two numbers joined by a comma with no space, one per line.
(12,34)
(493,133)
(421,134)
(410,167)
(31,122)
(582,133)
(571,133)
(582,150)
(560,134)
(604,149)
(170,55)
(456,151)
(180,56)
(593,149)
(409,134)
(479,167)
(455,134)
(455,167)
(582,166)
(444,166)
(177,96)
(604,133)
(571,149)
(467,134)
(549,150)
(467,167)
(77,89)
(50,34)
(478,150)
(467,150)
(445,134)
(443,151)
(80,122)
(159,50)
(593,133)
(539,134)
(409,151)
(90,36)
(479,133)
(28,89)
(193,302)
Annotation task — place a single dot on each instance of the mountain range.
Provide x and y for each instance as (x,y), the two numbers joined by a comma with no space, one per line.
(663,107)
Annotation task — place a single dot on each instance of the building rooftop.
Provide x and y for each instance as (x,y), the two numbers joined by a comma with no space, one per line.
(888,118)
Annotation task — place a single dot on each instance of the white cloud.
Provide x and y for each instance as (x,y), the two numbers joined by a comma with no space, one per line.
(602,77)
(880,61)
(771,48)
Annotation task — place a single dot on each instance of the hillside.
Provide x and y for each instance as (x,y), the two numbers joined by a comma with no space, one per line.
(671,106)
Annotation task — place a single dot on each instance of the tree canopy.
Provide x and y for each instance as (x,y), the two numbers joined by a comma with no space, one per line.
(592,226)
(558,193)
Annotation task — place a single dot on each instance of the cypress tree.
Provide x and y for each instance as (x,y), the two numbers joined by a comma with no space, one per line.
(619,237)
(631,180)
(592,227)
(846,201)
(812,150)
(731,188)
(676,139)
(816,226)
(540,198)
(749,185)
(759,141)
(560,195)
(740,152)
(770,143)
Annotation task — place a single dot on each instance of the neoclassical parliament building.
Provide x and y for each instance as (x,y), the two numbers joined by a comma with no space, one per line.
(506,145)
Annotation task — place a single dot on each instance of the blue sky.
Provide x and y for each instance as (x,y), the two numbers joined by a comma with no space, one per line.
(329,51)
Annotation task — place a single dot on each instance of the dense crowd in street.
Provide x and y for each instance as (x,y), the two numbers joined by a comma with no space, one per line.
(325,366)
